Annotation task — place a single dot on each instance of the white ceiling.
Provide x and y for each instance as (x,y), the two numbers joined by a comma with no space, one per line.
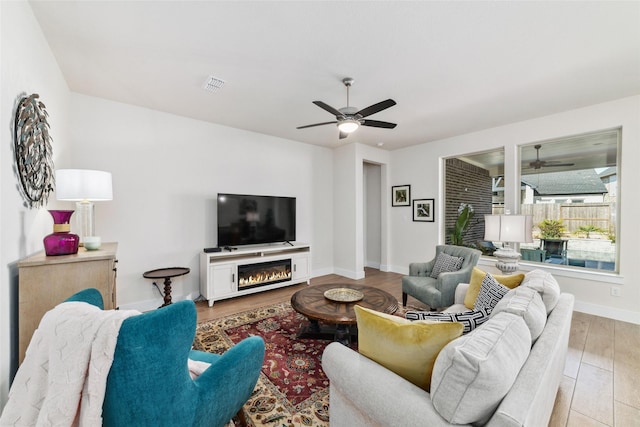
(452,67)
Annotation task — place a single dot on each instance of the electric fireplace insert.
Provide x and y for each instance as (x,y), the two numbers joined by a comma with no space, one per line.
(263,273)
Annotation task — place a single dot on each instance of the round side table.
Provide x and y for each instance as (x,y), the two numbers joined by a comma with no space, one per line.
(166,274)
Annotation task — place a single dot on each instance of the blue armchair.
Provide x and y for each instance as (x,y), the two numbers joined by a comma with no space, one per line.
(149,382)
(438,292)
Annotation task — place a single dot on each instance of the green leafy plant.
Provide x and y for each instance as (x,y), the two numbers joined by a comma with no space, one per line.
(588,229)
(465,215)
(551,229)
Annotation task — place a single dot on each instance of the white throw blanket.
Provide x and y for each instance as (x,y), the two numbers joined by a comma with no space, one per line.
(62,379)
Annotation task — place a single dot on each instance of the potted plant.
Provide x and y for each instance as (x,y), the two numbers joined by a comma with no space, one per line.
(551,229)
(465,215)
(588,229)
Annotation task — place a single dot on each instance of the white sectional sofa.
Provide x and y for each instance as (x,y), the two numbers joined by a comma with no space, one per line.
(364,393)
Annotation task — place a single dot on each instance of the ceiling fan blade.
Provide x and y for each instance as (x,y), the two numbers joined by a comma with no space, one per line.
(316,124)
(372,109)
(378,124)
(328,108)
(343,135)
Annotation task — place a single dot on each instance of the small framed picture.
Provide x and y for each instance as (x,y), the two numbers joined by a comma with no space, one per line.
(401,195)
(423,210)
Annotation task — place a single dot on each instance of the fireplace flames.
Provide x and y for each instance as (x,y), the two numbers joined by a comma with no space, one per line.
(264,277)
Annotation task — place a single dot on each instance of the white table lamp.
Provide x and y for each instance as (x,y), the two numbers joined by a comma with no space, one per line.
(508,229)
(84,187)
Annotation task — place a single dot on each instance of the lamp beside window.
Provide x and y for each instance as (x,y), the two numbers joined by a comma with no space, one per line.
(84,187)
(508,229)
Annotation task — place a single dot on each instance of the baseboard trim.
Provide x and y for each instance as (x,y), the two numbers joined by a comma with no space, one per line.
(608,312)
(152,304)
(355,275)
(400,270)
(322,272)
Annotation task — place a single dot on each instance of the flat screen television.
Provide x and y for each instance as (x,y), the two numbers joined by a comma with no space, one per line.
(248,219)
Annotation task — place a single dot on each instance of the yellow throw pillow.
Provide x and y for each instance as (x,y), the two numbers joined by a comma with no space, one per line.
(407,348)
(510,281)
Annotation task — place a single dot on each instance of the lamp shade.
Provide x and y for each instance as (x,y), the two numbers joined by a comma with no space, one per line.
(508,228)
(492,228)
(83,184)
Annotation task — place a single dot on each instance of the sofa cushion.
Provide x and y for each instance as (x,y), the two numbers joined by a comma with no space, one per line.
(546,285)
(473,373)
(526,303)
(490,293)
(470,319)
(407,348)
(477,275)
(445,263)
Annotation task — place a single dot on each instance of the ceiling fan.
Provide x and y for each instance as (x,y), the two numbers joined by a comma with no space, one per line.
(349,118)
(537,163)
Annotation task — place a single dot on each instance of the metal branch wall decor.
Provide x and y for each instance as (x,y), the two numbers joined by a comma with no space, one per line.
(33,152)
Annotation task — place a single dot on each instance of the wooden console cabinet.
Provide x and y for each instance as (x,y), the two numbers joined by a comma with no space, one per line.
(46,281)
(219,270)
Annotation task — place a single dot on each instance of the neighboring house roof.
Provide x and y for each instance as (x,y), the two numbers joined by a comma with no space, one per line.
(608,172)
(584,181)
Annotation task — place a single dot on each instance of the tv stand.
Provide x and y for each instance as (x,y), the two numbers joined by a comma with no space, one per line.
(221,272)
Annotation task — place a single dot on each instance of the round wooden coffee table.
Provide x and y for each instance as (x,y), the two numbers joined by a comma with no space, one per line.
(337,316)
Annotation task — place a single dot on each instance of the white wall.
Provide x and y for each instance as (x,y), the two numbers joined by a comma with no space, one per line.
(348,200)
(167,171)
(344,200)
(421,167)
(27,66)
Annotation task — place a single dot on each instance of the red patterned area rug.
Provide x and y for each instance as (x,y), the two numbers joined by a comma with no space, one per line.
(292,389)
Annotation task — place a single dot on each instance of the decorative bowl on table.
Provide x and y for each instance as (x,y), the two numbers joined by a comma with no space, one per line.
(92,243)
(343,295)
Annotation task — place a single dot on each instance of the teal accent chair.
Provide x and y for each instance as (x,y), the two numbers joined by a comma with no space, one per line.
(438,292)
(149,382)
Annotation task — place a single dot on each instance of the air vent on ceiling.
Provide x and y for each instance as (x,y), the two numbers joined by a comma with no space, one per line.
(213,84)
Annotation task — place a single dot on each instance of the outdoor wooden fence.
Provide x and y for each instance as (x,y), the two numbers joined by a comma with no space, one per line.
(574,215)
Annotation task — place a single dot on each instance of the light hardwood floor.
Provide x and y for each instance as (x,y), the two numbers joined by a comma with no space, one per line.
(601,383)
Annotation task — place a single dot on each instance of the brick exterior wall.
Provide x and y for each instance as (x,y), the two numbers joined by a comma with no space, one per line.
(466,183)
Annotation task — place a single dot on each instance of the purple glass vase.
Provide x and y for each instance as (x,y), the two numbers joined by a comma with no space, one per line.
(61,241)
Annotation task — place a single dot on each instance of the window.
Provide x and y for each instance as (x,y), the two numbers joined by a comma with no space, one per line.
(569,185)
(476,180)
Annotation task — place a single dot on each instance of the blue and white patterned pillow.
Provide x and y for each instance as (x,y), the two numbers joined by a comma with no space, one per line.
(445,263)
(469,319)
(490,293)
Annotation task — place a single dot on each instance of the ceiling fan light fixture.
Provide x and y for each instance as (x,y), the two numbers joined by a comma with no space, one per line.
(348,125)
